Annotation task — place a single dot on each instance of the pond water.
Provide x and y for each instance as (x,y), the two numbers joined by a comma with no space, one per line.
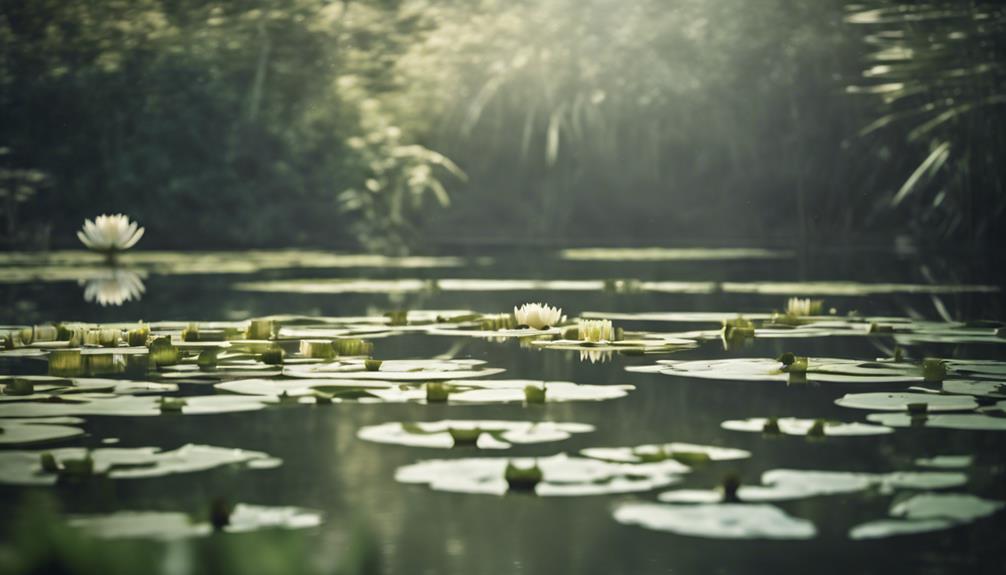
(905,487)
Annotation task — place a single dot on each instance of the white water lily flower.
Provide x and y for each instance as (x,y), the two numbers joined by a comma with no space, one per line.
(596,330)
(110,233)
(800,307)
(538,315)
(114,287)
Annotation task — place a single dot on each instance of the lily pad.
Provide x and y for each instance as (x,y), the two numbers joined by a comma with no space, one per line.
(170,526)
(945,461)
(791,484)
(928,512)
(716,521)
(962,421)
(25,432)
(819,370)
(24,467)
(678,451)
(977,388)
(900,401)
(562,475)
(797,426)
(84,404)
(395,370)
(488,434)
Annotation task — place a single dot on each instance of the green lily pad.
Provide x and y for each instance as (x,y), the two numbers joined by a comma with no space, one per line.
(24,467)
(170,526)
(670,254)
(716,521)
(562,475)
(797,426)
(945,461)
(490,434)
(764,369)
(977,388)
(792,484)
(928,512)
(900,401)
(25,432)
(395,370)
(84,404)
(962,421)
(643,453)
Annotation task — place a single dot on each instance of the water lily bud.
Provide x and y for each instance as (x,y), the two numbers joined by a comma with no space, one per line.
(317,348)
(48,462)
(191,332)
(400,317)
(534,394)
(260,329)
(273,356)
(138,336)
(771,427)
(523,479)
(934,369)
(207,360)
(817,429)
(464,436)
(372,364)
(172,404)
(437,392)
(162,352)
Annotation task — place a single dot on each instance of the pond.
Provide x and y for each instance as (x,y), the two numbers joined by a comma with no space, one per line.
(714,426)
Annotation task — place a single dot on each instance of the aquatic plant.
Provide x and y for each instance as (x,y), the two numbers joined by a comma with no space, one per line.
(803,307)
(595,330)
(534,393)
(371,364)
(109,234)
(934,369)
(138,336)
(522,478)
(437,392)
(317,348)
(538,315)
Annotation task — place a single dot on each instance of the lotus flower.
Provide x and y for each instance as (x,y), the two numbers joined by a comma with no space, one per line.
(596,330)
(110,234)
(537,315)
(113,286)
(797,307)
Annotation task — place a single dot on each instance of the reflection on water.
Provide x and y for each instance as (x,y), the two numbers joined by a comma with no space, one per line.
(113,286)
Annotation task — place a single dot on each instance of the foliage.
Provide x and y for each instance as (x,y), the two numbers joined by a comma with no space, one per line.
(935,71)
(228,114)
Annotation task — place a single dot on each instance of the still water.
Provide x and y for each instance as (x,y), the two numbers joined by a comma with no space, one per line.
(419,529)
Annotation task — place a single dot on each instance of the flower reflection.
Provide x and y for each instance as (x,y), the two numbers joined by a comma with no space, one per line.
(596,355)
(113,286)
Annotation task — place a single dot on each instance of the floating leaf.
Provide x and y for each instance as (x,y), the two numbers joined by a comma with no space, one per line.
(562,475)
(490,434)
(797,426)
(716,521)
